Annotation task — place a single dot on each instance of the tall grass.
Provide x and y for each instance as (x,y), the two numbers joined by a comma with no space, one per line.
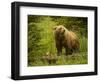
(83,44)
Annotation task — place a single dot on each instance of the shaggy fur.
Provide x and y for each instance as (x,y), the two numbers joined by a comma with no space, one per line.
(65,38)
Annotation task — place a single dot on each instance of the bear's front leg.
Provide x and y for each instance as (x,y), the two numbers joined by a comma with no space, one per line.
(59,50)
(58,47)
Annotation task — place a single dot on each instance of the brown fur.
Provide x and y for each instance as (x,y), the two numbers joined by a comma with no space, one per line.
(66,39)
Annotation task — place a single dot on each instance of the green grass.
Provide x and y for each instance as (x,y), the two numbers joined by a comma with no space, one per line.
(74,59)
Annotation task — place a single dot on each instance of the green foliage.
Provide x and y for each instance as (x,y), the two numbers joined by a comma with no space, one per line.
(83,44)
(41,39)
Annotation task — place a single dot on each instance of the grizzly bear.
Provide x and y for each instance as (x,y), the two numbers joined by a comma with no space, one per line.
(65,39)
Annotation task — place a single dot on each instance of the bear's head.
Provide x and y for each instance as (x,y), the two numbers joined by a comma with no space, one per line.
(59,30)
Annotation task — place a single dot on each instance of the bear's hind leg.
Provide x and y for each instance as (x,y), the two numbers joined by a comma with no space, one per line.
(69,51)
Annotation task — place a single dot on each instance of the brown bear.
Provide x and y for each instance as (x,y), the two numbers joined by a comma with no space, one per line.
(65,38)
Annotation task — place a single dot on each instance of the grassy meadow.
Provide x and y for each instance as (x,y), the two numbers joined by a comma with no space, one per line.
(41,40)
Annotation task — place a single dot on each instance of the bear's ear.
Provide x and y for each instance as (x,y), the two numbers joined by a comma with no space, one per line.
(54,28)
